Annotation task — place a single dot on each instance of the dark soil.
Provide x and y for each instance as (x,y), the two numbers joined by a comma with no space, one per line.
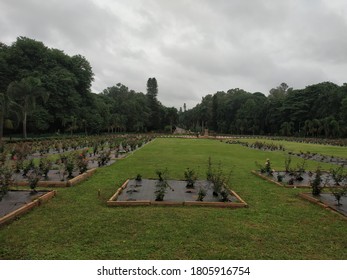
(323,158)
(176,192)
(13,200)
(304,179)
(330,200)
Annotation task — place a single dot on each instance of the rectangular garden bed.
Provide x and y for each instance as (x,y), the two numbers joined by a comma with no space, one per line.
(55,183)
(305,182)
(133,193)
(17,202)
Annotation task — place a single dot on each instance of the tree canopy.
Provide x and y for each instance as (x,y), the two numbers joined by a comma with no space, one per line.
(30,72)
(317,110)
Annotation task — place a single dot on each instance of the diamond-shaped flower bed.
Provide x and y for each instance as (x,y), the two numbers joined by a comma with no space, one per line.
(142,192)
(328,201)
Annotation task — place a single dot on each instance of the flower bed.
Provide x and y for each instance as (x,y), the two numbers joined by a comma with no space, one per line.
(288,180)
(17,203)
(133,193)
(327,201)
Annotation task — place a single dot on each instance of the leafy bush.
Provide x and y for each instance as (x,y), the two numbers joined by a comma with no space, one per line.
(104,157)
(6,172)
(45,165)
(190,177)
(338,175)
(34,176)
(316,183)
(339,193)
(161,188)
(201,194)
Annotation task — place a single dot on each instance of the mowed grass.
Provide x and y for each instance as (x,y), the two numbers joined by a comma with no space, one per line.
(328,150)
(77,224)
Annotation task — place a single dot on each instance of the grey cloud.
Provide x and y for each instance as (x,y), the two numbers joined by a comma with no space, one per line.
(193,47)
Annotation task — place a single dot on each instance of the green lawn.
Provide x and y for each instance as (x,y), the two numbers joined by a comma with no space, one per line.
(297,147)
(77,224)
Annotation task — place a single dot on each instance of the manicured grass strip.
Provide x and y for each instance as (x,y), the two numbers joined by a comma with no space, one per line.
(296,147)
(77,224)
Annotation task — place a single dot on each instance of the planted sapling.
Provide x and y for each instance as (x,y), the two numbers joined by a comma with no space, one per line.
(190,177)
(338,193)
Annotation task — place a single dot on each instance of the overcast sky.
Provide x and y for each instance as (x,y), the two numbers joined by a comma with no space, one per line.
(192,47)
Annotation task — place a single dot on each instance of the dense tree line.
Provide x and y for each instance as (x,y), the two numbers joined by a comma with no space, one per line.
(319,110)
(44,90)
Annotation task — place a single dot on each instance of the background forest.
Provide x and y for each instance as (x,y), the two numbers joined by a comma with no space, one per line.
(44,91)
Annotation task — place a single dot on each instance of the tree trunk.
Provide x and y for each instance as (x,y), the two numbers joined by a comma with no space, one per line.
(25,125)
(1,126)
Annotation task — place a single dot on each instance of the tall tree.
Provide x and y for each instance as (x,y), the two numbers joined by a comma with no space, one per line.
(153,104)
(24,93)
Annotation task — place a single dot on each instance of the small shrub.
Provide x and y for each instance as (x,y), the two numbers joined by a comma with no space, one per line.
(287,163)
(6,172)
(219,180)
(138,177)
(209,169)
(34,176)
(161,188)
(280,178)
(225,195)
(103,158)
(45,165)
(316,184)
(338,175)
(190,177)
(201,194)
(28,166)
(338,193)
(82,161)
(162,174)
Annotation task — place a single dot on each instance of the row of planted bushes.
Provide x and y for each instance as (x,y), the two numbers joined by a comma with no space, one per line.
(342,142)
(34,160)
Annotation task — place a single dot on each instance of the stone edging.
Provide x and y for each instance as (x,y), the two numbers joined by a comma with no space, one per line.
(27,207)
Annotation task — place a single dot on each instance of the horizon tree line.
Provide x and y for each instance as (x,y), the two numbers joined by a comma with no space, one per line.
(45,91)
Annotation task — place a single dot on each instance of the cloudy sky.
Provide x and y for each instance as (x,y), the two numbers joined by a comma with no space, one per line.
(192,47)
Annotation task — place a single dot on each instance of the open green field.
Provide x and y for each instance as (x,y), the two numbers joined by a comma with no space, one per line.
(77,224)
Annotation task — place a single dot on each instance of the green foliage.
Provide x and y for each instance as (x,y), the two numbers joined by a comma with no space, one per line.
(338,193)
(316,184)
(45,165)
(33,177)
(162,174)
(338,174)
(6,172)
(190,177)
(260,230)
(285,111)
(201,194)
(219,180)
(104,157)
(161,188)
(287,162)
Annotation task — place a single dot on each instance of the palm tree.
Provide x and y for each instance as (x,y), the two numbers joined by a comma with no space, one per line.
(24,93)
